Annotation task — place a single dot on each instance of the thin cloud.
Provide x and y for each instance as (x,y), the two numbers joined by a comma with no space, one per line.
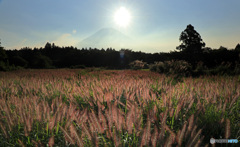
(74,31)
(65,40)
(20,44)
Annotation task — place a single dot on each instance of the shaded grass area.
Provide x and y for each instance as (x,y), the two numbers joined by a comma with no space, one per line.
(116,108)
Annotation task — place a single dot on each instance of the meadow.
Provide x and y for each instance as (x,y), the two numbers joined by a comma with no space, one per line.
(73,107)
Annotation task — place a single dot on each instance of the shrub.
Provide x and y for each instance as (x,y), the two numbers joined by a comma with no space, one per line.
(137,64)
(157,67)
(2,66)
(237,68)
(178,67)
(181,67)
(222,69)
(199,70)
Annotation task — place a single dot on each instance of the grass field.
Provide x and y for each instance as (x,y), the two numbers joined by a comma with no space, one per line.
(116,108)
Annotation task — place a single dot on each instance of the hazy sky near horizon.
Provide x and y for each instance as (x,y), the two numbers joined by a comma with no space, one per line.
(155,25)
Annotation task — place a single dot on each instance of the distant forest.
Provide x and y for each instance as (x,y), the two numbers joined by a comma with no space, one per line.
(52,56)
(192,51)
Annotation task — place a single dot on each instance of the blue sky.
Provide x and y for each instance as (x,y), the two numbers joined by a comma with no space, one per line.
(155,25)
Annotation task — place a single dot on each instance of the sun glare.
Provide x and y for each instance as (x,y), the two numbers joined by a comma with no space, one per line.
(122,17)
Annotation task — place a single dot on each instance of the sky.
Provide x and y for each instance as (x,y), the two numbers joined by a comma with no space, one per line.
(154,25)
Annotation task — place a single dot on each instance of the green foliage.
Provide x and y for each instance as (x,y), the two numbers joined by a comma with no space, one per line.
(48,46)
(234,115)
(130,139)
(82,103)
(237,68)
(181,68)
(39,135)
(192,41)
(41,61)
(210,123)
(19,61)
(123,100)
(137,64)
(157,67)
(223,69)
(3,66)
(52,56)
(199,69)
(237,48)
(3,55)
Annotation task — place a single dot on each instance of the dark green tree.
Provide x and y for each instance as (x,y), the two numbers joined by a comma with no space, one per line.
(48,45)
(19,61)
(237,48)
(41,61)
(222,48)
(191,41)
(3,58)
(3,55)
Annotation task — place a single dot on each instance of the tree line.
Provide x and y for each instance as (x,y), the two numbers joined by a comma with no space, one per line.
(192,50)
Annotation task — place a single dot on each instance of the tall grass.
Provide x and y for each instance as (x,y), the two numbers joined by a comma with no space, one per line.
(116,108)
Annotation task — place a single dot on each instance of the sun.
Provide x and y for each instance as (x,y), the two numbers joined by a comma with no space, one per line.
(122,17)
